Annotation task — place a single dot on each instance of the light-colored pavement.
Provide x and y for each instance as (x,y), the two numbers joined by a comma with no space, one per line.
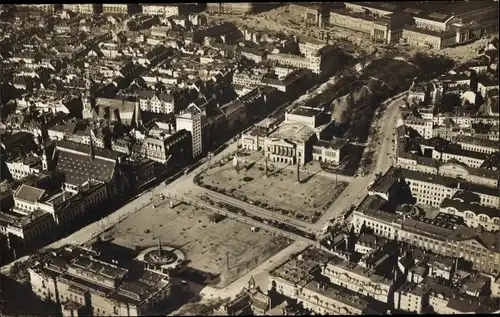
(259,273)
(387,134)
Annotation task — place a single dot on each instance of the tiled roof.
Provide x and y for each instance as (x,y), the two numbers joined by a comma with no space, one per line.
(78,168)
(84,149)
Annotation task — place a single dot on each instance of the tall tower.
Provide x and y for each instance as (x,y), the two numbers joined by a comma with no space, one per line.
(91,147)
(45,160)
(88,97)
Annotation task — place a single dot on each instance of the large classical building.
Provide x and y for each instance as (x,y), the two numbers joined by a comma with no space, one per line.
(297,140)
(83,285)
(162,10)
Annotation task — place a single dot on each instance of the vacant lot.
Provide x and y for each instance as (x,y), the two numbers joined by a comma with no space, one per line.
(279,191)
(228,248)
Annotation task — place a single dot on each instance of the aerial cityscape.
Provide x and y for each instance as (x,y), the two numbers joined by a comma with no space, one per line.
(249,158)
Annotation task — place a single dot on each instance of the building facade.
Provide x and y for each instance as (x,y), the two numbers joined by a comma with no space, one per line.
(85,286)
(481,248)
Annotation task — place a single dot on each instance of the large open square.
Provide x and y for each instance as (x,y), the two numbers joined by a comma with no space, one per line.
(228,249)
(279,190)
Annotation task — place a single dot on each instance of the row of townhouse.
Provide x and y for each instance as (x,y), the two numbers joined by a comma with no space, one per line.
(429,189)
(482,248)
(480,176)
(294,280)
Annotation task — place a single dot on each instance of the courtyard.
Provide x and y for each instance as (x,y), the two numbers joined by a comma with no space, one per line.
(227,249)
(278,191)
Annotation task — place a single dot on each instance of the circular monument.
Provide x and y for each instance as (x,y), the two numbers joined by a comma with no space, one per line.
(162,257)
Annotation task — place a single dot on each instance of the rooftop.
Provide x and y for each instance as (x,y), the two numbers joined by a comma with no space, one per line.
(306,112)
(443,231)
(476,141)
(97,267)
(29,193)
(354,268)
(472,207)
(440,180)
(372,202)
(465,153)
(295,132)
(333,144)
(342,295)
(297,270)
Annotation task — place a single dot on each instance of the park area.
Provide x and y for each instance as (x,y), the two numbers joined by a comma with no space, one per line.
(279,191)
(222,251)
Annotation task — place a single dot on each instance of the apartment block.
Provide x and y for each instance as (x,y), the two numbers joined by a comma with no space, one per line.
(423,127)
(476,144)
(473,214)
(454,154)
(360,278)
(479,247)
(429,189)
(294,279)
(37,212)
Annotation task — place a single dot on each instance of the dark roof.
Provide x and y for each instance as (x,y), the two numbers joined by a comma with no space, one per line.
(84,149)
(383,184)
(476,141)
(146,94)
(475,208)
(467,196)
(78,168)
(372,202)
(231,107)
(29,193)
(465,153)
(253,51)
(427,161)
(440,180)
(334,144)
(17,144)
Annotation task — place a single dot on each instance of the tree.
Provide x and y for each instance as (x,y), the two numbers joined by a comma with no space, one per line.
(432,66)
(449,102)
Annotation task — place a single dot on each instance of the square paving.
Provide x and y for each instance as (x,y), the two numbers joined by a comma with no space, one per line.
(279,189)
(208,247)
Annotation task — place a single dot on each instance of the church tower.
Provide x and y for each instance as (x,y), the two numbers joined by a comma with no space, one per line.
(45,160)
(88,98)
